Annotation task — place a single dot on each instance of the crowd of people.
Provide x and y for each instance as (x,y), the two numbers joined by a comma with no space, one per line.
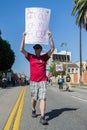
(13,81)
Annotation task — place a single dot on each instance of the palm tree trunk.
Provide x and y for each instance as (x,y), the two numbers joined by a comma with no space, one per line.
(80,46)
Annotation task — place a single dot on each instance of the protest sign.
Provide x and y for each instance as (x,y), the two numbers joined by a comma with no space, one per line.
(37,25)
(59,67)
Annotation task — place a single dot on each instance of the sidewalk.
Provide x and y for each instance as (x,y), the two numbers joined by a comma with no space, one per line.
(82,86)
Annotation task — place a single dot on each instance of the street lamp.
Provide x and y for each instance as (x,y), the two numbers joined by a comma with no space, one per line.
(65,44)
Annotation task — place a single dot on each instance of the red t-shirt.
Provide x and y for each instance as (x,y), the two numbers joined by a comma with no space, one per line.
(38,67)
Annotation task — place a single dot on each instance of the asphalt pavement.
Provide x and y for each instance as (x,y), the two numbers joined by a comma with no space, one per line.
(64,110)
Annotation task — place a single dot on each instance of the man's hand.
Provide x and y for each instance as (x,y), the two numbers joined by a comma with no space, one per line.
(49,34)
(24,34)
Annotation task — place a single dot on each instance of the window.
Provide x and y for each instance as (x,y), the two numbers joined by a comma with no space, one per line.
(69,70)
(76,69)
(86,68)
(61,58)
(72,70)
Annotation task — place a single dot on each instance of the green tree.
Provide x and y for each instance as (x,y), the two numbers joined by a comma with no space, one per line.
(80,10)
(7,56)
(53,69)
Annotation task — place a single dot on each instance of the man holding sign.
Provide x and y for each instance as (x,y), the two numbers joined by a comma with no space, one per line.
(38,78)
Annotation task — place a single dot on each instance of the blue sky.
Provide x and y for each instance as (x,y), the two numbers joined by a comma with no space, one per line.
(62,26)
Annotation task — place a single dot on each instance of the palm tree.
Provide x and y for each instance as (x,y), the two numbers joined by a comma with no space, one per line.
(80,10)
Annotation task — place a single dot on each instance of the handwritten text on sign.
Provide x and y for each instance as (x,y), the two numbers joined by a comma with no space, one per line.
(59,67)
(37,25)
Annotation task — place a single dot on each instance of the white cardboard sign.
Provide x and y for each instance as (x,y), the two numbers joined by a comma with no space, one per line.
(59,67)
(37,25)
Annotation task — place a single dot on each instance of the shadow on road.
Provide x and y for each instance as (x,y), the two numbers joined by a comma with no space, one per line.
(55,113)
(68,90)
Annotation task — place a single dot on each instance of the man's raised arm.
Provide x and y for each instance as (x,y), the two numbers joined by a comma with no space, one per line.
(22,45)
(51,44)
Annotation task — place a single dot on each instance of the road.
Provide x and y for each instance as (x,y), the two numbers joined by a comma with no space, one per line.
(65,110)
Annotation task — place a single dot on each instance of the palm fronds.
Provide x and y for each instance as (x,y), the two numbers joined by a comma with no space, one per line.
(79,10)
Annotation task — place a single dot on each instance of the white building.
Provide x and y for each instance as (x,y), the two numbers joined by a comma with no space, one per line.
(61,56)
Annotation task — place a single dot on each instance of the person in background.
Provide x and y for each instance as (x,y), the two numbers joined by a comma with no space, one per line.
(13,79)
(68,80)
(4,80)
(38,78)
(60,82)
(20,82)
(51,80)
(4,75)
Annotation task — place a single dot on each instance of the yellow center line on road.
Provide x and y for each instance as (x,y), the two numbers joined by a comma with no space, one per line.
(13,112)
(19,113)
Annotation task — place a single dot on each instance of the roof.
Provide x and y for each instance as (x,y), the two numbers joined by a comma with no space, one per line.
(73,65)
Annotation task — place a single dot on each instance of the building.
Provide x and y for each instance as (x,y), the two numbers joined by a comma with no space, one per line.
(84,65)
(84,72)
(61,56)
(72,68)
(74,71)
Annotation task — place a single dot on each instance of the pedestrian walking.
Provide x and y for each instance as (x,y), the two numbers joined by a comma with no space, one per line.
(68,80)
(51,81)
(13,79)
(60,82)
(38,78)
